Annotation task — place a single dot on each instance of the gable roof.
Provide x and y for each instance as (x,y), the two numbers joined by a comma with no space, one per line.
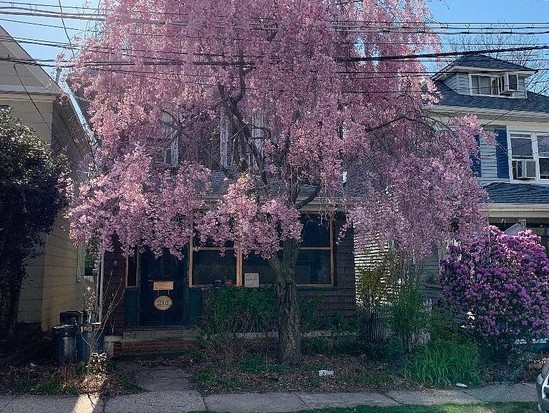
(506,193)
(534,102)
(480,61)
(22,78)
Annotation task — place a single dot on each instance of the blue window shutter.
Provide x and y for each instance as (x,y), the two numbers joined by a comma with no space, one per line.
(502,153)
(475,159)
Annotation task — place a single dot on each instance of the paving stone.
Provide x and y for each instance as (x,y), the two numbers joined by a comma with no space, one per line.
(156,401)
(326,400)
(163,379)
(254,402)
(505,393)
(4,401)
(429,397)
(53,404)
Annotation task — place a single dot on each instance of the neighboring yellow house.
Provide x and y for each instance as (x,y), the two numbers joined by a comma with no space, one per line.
(55,279)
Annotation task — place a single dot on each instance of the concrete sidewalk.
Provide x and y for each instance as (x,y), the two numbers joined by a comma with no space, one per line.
(189,400)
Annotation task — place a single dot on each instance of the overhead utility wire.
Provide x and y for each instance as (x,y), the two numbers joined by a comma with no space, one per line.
(438,54)
(358,26)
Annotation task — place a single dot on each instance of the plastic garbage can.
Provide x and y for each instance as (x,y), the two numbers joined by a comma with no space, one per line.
(65,343)
(90,339)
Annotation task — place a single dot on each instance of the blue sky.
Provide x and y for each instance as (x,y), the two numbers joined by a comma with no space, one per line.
(497,11)
(485,11)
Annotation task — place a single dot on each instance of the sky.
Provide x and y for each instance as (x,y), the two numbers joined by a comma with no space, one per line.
(25,28)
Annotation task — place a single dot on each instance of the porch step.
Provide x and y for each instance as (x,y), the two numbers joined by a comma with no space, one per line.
(147,341)
(151,334)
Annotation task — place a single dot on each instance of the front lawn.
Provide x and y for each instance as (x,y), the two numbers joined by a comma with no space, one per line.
(442,408)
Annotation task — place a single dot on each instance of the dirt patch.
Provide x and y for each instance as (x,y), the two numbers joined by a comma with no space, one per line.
(45,377)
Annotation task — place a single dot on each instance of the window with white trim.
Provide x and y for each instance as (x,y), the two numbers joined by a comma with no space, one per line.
(484,85)
(529,156)
(494,85)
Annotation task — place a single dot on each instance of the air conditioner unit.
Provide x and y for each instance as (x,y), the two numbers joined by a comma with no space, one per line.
(508,84)
(525,169)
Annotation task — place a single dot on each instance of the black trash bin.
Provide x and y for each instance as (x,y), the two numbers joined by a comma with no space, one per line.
(71,317)
(90,339)
(65,343)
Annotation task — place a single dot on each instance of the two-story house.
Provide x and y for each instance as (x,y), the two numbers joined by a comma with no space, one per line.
(56,278)
(514,169)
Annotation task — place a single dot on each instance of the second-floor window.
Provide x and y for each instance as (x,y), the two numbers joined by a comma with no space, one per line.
(484,85)
(530,156)
(494,85)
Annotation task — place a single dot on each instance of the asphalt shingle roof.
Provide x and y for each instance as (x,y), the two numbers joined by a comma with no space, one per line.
(534,102)
(506,193)
(479,61)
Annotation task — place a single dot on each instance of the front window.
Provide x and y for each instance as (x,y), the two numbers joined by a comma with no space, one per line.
(314,267)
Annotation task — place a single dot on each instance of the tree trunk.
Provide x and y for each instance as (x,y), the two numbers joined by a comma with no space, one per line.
(289,326)
(289,329)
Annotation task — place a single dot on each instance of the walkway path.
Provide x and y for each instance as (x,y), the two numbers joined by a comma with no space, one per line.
(189,400)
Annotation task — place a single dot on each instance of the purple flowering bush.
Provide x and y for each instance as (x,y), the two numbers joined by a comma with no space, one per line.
(501,283)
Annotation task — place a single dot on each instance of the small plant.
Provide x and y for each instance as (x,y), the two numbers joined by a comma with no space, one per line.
(260,364)
(316,345)
(444,363)
(206,379)
(308,307)
(409,316)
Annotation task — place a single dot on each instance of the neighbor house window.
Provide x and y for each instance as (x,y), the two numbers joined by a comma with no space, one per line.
(529,156)
(484,85)
(314,267)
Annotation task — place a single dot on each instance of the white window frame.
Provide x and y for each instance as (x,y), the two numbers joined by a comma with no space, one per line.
(533,136)
(494,76)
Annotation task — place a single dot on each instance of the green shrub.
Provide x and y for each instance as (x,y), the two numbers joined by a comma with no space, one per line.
(316,345)
(260,364)
(206,379)
(444,363)
(239,310)
(408,317)
(231,312)
(308,307)
(394,349)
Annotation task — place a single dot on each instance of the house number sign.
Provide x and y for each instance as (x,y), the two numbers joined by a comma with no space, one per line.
(163,302)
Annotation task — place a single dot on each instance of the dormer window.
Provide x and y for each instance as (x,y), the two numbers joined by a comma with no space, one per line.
(496,85)
(484,85)
(508,84)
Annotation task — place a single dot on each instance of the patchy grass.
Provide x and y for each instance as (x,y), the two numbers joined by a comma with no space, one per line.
(46,378)
(443,408)
(261,373)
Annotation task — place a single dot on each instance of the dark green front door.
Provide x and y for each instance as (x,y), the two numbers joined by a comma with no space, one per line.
(162,289)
